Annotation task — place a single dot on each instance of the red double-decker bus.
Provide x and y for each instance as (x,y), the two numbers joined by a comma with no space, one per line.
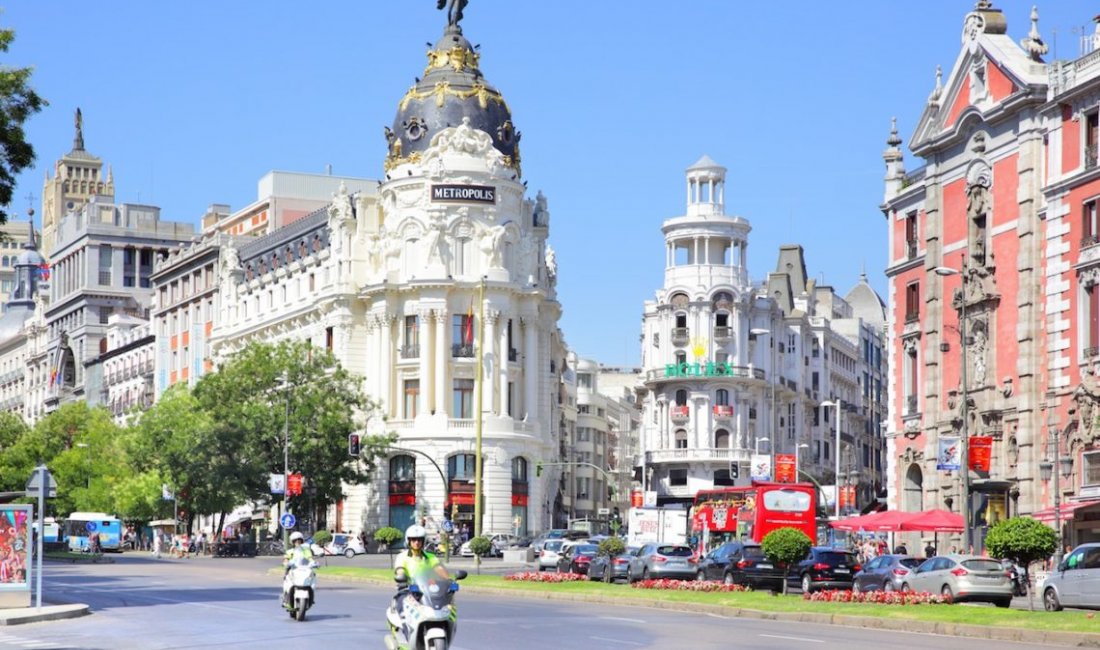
(753,511)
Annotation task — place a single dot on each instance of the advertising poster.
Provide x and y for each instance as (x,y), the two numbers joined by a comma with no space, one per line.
(981,448)
(949,455)
(785,470)
(761,467)
(15,540)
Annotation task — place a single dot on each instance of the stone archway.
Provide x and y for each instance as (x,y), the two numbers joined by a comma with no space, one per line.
(914,489)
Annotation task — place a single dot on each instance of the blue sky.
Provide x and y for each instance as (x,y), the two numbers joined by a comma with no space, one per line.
(193,102)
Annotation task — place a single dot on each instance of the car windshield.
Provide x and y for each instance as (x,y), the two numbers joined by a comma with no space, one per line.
(753,552)
(674,551)
(553,545)
(834,557)
(982,565)
(909,562)
(585,549)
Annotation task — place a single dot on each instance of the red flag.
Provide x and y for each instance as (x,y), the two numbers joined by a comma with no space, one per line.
(468,334)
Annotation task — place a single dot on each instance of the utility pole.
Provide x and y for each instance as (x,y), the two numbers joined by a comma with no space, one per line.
(478,462)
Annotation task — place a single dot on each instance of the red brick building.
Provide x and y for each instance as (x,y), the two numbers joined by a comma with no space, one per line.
(1000,223)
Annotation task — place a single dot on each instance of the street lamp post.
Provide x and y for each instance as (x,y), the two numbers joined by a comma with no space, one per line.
(285,380)
(796,458)
(771,381)
(1047,470)
(838,405)
(944,271)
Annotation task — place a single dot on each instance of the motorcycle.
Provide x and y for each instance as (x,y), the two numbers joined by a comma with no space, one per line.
(427,619)
(1019,578)
(298,586)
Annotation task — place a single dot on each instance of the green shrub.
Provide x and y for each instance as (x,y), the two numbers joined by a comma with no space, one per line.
(612,546)
(481,546)
(786,546)
(322,537)
(388,535)
(1022,540)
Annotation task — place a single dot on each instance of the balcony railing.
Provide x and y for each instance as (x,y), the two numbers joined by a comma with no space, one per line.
(679,413)
(411,351)
(911,249)
(1090,240)
(695,454)
(723,333)
(460,350)
(723,412)
(911,405)
(912,317)
(680,335)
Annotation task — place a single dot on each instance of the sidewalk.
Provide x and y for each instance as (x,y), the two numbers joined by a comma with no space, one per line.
(21,615)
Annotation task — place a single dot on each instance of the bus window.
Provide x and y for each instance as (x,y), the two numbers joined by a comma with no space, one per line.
(786,501)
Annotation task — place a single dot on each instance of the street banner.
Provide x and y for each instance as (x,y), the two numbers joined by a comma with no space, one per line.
(978,455)
(166,492)
(760,469)
(785,469)
(15,540)
(294,485)
(275,481)
(949,456)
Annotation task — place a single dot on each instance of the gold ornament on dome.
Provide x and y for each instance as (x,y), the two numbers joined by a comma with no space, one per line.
(392,161)
(458,58)
(443,89)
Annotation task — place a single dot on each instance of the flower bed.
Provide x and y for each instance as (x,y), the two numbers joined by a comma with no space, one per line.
(538,576)
(688,585)
(878,597)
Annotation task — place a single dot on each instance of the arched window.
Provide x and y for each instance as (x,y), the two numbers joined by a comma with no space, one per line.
(681,320)
(681,439)
(403,468)
(722,397)
(681,358)
(681,397)
(914,489)
(460,466)
(722,439)
(519,469)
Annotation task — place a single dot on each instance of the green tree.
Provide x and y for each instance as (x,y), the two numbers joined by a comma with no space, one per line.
(611,548)
(18,102)
(1022,540)
(480,547)
(320,404)
(388,536)
(784,547)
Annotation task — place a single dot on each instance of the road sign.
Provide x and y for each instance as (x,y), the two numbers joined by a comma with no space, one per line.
(448,526)
(39,477)
(603,512)
(287,521)
(90,526)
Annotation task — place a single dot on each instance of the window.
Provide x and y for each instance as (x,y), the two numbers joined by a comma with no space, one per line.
(463,255)
(912,302)
(403,468)
(722,477)
(681,397)
(722,397)
(584,380)
(1090,229)
(461,466)
(721,320)
(462,334)
(105,265)
(1092,320)
(412,395)
(1092,133)
(1091,475)
(584,434)
(722,439)
(911,235)
(328,335)
(511,399)
(463,398)
(681,439)
(519,469)
(677,477)
(412,337)
(681,358)
(786,501)
(681,320)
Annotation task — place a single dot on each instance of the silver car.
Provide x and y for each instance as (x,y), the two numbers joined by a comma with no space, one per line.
(655,561)
(885,572)
(962,577)
(548,555)
(1076,581)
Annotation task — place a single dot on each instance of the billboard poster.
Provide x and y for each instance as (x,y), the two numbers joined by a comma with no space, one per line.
(761,467)
(981,448)
(785,470)
(949,454)
(15,540)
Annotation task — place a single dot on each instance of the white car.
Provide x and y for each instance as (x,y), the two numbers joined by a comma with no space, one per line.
(548,556)
(500,541)
(341,544)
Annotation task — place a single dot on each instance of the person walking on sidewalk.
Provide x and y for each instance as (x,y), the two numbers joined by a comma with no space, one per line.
(157,544)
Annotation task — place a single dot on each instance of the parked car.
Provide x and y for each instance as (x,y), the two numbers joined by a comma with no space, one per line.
(741,563)
(341,544)
(548,556)
(575,558)
(824,568)
(962,577)
(558,533)
(618,565)
(1075,582)
(885,572)
(653,561)
(499,542)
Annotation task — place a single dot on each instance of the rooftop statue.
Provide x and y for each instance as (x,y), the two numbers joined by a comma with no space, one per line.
(454,11)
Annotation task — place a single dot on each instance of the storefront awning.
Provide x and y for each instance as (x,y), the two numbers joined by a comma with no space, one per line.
(1067,511)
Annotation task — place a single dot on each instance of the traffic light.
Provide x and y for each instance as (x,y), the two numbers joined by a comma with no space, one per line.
(353,444)
(735,470)
(538,469)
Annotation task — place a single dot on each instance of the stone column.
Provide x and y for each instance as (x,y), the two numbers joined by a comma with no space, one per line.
(530,366)
(385,356)
(489,359)
(502,366)
(424,369)
(442,360)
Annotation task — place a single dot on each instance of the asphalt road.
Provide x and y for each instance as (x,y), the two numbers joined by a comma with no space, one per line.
(139,602)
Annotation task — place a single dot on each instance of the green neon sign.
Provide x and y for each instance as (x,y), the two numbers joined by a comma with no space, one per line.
(701,369)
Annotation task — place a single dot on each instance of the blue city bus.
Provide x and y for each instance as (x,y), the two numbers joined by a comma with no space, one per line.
(81,526)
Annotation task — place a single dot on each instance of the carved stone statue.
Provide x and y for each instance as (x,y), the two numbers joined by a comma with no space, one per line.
(454,11)
(551,262)
(977,208)
(231,260)
(391,249)
(340,210)
(977,352)
(1086,398)
(528,255)
(492,244)
(433,241)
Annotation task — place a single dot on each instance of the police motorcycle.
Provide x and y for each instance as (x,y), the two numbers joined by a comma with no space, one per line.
(298,586)
(427,619)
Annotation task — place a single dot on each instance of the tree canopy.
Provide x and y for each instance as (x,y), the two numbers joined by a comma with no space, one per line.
(18,101)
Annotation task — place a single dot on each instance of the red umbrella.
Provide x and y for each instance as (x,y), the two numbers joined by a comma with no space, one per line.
(889,520)
(934,521)
(850,524)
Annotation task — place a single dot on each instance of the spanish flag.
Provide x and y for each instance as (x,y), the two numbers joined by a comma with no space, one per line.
(468,334)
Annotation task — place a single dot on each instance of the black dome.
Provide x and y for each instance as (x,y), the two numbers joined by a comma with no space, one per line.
(452,89)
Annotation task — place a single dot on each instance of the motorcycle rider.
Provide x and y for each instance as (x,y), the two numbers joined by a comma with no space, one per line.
(298,550)
(412,561)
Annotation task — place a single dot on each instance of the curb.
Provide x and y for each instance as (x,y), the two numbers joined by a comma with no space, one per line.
(988,632)
(25,615)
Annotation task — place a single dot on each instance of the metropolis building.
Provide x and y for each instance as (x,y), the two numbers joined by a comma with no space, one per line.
(398,281)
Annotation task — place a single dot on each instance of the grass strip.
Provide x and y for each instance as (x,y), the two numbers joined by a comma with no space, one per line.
(1066,621)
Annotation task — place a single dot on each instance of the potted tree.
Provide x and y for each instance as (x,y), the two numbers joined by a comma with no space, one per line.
(1024,541)
(480,546)
(610,548)
(784,547)
(387,537)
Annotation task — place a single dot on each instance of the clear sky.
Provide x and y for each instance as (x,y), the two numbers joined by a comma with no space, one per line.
(192,102)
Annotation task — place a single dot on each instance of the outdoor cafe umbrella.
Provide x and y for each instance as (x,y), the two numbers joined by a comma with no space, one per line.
(934,521)
(876,522)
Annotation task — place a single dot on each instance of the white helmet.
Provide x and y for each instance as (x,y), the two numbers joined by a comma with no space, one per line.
(415,532)
(297,537)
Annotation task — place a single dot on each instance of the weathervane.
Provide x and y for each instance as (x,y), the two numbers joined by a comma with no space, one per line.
(454,11)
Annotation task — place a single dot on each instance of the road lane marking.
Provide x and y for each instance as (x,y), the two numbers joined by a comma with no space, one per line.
(791,638)
(623,618)
(609,640)
(138,596)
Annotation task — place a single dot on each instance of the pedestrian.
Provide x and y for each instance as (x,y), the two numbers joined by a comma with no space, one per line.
(901,550)
(930,550)
(157,544)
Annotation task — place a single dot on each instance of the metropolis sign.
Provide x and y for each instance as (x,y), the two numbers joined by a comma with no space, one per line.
(700,369)
(464,193)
